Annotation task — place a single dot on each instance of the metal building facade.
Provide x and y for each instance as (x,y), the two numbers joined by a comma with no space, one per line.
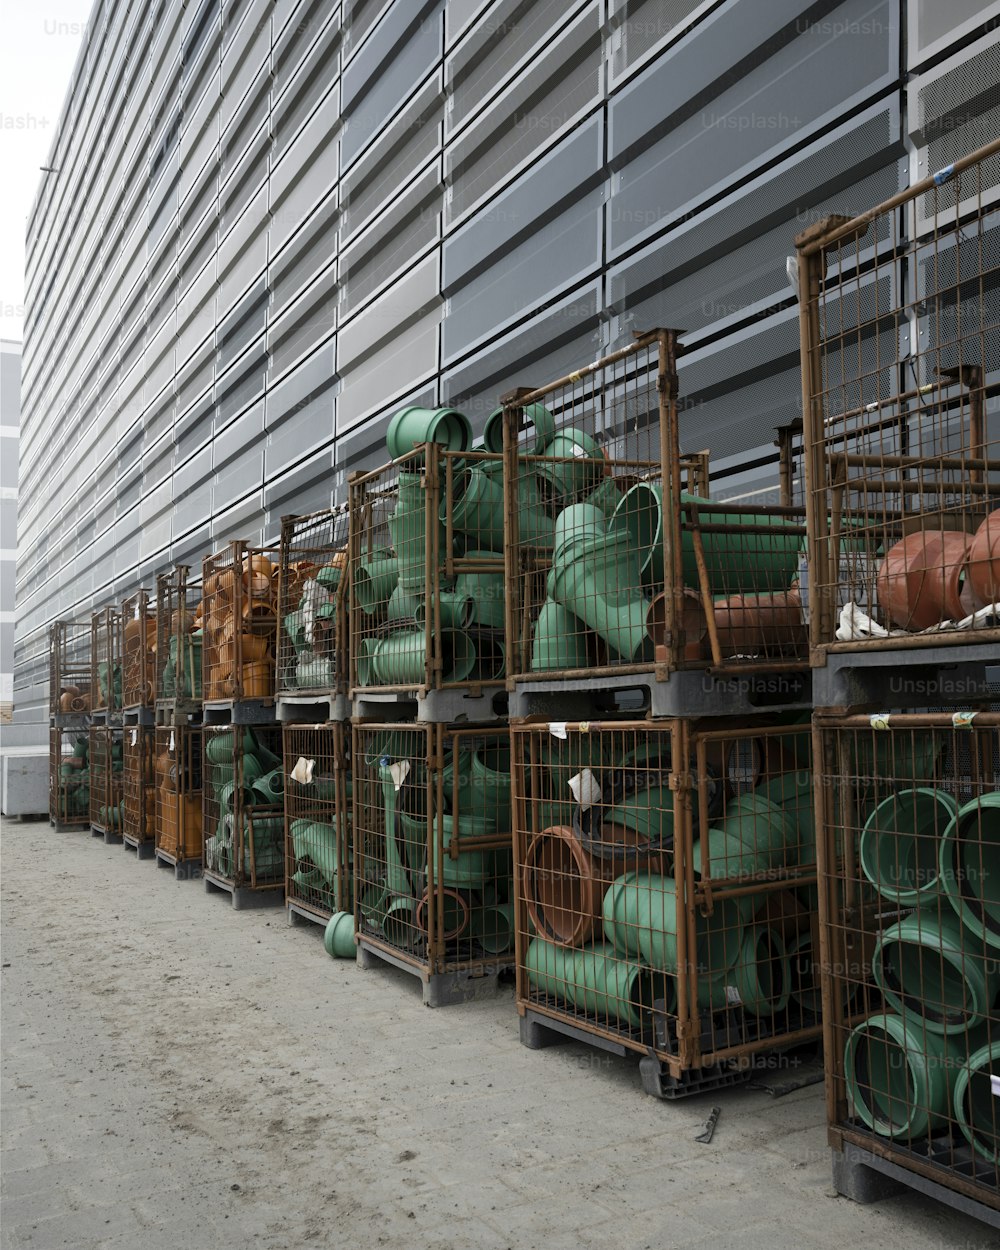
(273,223)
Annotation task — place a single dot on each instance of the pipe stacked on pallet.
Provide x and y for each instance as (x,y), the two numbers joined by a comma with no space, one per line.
(105,761)
(179,792)
(667,876)
(69,776)
(911,846)
(243,795)
(240,588)
(308,629)
(180,672)
(70,667)
(138,784)
(138,651)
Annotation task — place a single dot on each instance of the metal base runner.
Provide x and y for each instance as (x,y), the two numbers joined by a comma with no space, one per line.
(299,914)
(947,676)
(69,720)
(112,838)
(143,850)
(538,1031)
(97,831)
(312,709)
(685,694)
(138,716)
(440,989)
(68,826)
(239,712)
(243,897)
(106,718)
(431,706)
(184,869)
(173,712)
(866,1177)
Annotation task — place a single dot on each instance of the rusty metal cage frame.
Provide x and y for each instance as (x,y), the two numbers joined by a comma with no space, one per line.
(899,426)
(862,762)
(314,539)
(105,779)
(228,597)
(177,596)
(322,746)
(59,807)
(106,650)
(242,857)
(177,766)
(138,825)
(138,661)
(638,386)
(70,667)
(373,499)
(430,956)
(678,1039)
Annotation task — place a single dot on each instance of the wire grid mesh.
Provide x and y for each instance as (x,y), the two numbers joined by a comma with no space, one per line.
(105,758)
(106,661)
(179,636)
(900,315)
(616,561)
(138,784)
(69,777)
(178,768)
(432,845)
(240,598)
(312,633)
(138,650)
(668,906)
(243,805)
(318,845)
(69,668)
(427,572)
(910,853)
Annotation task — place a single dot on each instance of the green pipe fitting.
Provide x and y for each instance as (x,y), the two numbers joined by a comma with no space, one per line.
(400,924)
(308,880)
(366,656)
(456,609)
(401,658)
(477,507)
(412,427)
(295,628)
(229,798)
(573,465)
(483,786)
(408,527)
(252,768)
(793,793)
(271,785)
(487,592)
(492,926)
(338,936)
(316,841)
(899,847)
(595,582)
(606,497)
(763,973)
(581,524)
(975,1104)
(558,640)
(372,902)
(900,1075)
(730,859)
(762,826)
(329,576)
(970,866)
(375,579)
(596,980)
(927,968)
(539,416)
(402,607)
(314,672)
(641,918)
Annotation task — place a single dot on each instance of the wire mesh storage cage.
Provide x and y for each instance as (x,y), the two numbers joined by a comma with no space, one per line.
(427,573)
(909,843)
(900,331)
(178,775)
(312,604)
(179,635)
(106,661)
(240,611)
(69,668)
(138,650)
(433,882)
(615,560)
(138,825)
(319,848)
(69,778)
(666,878)
(105,758)
(243,806)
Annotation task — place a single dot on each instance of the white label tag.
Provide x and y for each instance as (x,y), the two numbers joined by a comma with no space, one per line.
(995,1085)
(962,720)
(880,720)
(171,746)
(135,736)
(137,611)
(585,789)
(303,771)
(399,772)
(557,728)
(733,996)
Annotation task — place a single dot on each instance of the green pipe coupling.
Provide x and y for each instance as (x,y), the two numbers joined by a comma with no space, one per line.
(598,981)
(975,1102)
(970,866)
(412,427)
(899,848)
(338,937)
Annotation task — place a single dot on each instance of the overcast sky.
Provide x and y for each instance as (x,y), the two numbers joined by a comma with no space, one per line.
(39,42)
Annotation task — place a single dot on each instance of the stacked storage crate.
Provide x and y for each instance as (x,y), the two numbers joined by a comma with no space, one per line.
(138,696)
(243,788)
(314,714)
(903,454)
(177,747)
(69,725)
(664,844)
(433,887)
(105,749)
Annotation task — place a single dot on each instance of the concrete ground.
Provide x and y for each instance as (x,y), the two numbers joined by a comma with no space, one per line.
(177,1074)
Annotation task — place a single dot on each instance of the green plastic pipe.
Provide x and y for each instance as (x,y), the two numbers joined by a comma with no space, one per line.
(539,416)
(492,927)
(271,785)
(970,866)
(338,936)
(573,465)
(596,980)
(483,785)
(477,507)
(486,590)
(977,1110)
(926,966)
(401,658)
(400,923)
(366,656)
(761,825)
(899,848)
(606,497)
(314,672)
(900,1075)
(411,427)
(402,606)
(595,582)
(372,901)
(375,579)
(558,640)
(793,793)
(329,577)
(408,527)
(641,916)
(763,974)
(316,841)
(456,609)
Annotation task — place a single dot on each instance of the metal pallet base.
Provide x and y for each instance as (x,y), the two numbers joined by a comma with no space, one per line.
(312,709)
(948,676)
(184,869)
(69,720)
(173,712)
(539,1031)
(97,831)
(138,716)
(431,706)
(143,850)
(104,717)
(68,826)
(866,1177)
(243,898)
(112,838)
(440,989)
(239,712)
(685,694)
(299,914)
